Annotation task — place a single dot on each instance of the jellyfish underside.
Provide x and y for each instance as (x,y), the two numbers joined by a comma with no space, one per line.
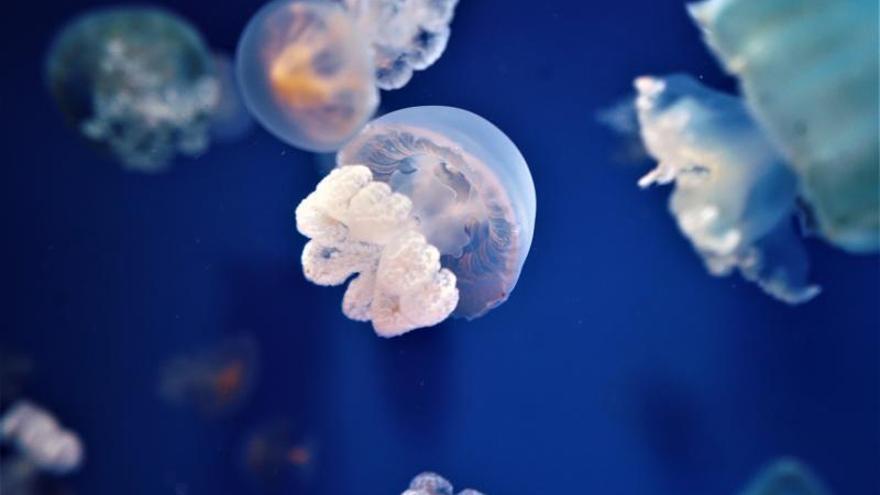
(734,197)
(435,224)
(305,73)
(139,82)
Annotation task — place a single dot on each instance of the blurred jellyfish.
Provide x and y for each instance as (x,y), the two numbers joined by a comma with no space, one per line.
(428,483)
(433,208)
(214,381)
(306,73)
(407,35)
(230,120)
(41,441)
(734,197)
(786,476)
(272,452)
(137,81)
(809,74)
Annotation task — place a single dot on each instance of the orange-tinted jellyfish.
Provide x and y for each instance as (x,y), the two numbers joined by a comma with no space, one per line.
(214,381)
(306,73)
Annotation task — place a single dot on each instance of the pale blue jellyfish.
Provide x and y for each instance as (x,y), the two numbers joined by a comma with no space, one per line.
(310,69)
(136,81)
(307,73)
(429,483)
(809,74)
(786,476)
(734,197)
(433,208)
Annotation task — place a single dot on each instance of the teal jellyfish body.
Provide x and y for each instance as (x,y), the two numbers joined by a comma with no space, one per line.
(809,74)
(136,81)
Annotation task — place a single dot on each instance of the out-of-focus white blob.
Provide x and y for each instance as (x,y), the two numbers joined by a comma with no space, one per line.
(407,35)
(471,193)
(809,73)
(230,120)
(734,198)
(138,81)
(306,72)
(214,381)
(40,439)
(429,483)
(359,226)
(786,476)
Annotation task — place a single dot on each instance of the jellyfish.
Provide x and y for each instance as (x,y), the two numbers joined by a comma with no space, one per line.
(786,476)
(734,197)
(214,381)
(429,483)
(230,120)
(306,73)
(433,208)
(309,69)
(138,82)
(808,71)
(44,444)
(406,36)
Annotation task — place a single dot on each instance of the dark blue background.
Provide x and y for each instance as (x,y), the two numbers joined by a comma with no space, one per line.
(618,366)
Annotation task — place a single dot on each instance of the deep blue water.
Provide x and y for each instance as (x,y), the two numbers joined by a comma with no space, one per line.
(618,366)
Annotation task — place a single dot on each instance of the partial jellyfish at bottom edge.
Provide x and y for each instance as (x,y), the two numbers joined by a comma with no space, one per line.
(43,449)
(802,141)
(429,483)
(433,210)
(786,476)
(141,84)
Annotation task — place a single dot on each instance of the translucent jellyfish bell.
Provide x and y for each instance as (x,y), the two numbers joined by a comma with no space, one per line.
(433,207)
(138,81)
(306,73)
